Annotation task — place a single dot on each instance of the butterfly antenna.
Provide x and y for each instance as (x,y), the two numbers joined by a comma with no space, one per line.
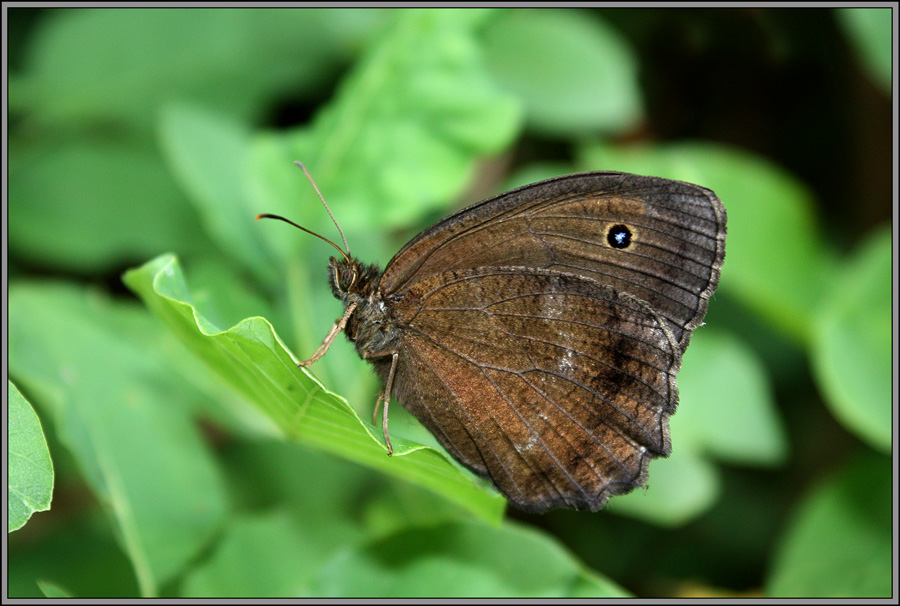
(322,198)
(280,218)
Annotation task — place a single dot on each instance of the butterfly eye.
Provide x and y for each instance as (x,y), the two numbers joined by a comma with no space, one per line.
(348,279)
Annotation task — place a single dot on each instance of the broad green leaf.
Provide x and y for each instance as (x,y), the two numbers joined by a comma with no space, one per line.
(306,507)
(223,293)
(125,64)
(253,360)
(208,153)
(30,473)
(121,415)
(403,132)
(86,204)
(315,506)
(461,560)
(258,556)
(79,556)
(870,31)
(776,262)
(852,343)
(405,505)
(727,409)
(839,541)
(575,74)
(679,488)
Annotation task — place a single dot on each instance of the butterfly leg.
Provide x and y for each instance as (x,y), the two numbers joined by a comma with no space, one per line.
(377,407)
(338,327)
(386,396)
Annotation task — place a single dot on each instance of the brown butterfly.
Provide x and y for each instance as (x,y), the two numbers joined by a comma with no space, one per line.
(537,334)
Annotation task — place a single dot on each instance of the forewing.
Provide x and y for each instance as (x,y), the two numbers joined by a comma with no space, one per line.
(556,388)
(673,262)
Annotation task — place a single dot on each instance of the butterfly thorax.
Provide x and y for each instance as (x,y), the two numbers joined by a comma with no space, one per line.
(370,327)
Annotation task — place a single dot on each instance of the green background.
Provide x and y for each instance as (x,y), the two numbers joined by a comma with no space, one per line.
(152,322)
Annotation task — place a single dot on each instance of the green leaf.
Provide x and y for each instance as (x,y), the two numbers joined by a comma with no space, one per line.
(126,64)
(575,74)
(122,416)
(404,505)
(309,503)
(727,407)
(253,360)
(208,153)
(86,204)
(679,489)
(403,132)
(259,556)
(852,344)
(78,555)
(285,471)
(223,294)
(839,541)
(776,262)
(311,513)
(461,560)
(30,472)
(870,31)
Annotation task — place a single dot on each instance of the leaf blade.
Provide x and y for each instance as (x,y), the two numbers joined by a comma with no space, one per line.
(253,359)
(30,475)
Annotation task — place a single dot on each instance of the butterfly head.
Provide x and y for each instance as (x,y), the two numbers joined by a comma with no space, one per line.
(351,280)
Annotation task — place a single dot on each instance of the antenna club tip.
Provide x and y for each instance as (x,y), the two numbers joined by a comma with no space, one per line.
(258,217)
(299,163)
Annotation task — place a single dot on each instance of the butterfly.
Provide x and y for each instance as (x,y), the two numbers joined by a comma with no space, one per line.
(537,334)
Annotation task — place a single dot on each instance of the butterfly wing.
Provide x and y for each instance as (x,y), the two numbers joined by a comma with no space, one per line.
(556,388)
(676,248)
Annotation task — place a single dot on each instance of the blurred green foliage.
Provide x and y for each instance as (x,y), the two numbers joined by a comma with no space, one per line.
(191,457)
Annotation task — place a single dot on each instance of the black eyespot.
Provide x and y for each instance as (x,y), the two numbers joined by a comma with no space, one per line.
(619,236)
